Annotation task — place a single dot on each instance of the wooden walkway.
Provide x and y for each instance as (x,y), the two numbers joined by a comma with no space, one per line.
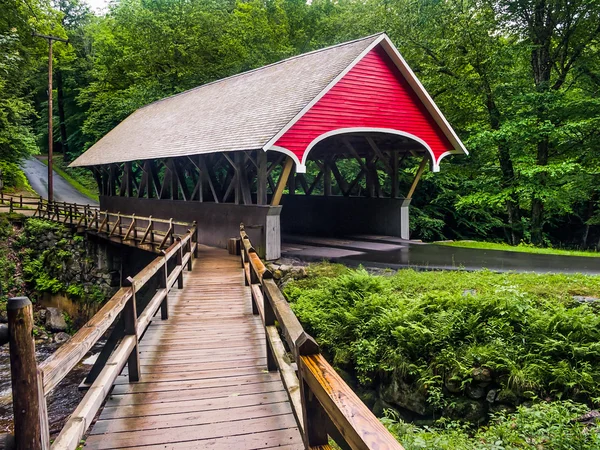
(204,381)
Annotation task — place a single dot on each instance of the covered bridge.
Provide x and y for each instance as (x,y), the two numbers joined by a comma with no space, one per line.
(312,144)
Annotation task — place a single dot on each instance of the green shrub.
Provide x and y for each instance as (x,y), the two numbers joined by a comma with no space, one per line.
(544,426)
(13,176)
(425,326)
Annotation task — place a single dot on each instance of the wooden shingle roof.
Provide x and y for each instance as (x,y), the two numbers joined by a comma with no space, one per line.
(242,112)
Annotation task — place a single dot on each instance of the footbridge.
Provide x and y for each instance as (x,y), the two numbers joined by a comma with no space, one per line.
(203,351)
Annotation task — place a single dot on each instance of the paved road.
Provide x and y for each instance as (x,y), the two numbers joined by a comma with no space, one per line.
(387,251)
(37,174)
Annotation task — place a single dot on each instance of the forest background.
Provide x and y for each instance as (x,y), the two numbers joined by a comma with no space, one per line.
(519,80)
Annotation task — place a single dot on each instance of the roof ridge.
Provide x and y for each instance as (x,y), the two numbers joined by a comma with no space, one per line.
(301,55)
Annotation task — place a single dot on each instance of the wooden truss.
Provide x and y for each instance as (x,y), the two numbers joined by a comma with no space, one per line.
(260,178)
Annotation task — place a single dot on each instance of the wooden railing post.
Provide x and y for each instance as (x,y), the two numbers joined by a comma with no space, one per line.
(179,262)
(11,205)
(71,214)
(269,320)
(29,403)
(130,323)
(314,416)
(20,200)
(195,239)
(163,277)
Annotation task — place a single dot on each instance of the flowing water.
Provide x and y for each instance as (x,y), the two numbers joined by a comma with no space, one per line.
(61,402)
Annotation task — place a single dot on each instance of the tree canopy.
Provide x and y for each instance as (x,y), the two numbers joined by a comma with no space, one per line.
(519,80)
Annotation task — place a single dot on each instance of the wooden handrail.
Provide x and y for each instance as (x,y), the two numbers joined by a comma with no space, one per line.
(112,359)
(115,226)
(322,402)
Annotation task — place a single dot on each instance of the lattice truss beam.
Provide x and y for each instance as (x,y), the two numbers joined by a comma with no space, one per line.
(356,168)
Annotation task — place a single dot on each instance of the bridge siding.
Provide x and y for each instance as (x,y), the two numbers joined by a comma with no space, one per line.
(204,379)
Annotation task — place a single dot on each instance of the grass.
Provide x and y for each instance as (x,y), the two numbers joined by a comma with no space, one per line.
(80,179)
(522,248)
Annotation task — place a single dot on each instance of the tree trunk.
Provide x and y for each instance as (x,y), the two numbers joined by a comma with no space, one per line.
(506,166)
(537,204)
(61,114)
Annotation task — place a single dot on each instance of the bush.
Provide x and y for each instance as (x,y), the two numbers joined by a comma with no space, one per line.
(427,327)
(544,426)
(13,176)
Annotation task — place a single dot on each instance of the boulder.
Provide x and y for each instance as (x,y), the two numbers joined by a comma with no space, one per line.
(3,317)
(407,396)
(467,410)
(491,396)
(61,338)
(481,375)
(55,320)
(475,391)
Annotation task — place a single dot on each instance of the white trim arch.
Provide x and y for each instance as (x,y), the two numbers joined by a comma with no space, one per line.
(301,165)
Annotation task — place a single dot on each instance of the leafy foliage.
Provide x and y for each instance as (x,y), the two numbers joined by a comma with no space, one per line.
(427,327)
(548,426)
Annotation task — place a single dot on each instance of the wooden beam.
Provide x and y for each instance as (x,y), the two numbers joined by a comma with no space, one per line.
(180,175)
(154,186)
(379,153)
(282,182)
(261,179)
(417,176)
(211,178)
(394,170)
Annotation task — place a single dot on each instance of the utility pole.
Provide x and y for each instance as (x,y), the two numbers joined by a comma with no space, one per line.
(50,139)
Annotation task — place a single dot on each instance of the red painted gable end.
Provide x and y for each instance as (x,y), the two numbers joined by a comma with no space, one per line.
(373,94)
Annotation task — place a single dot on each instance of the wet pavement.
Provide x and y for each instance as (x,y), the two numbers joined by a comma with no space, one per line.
(396,253)
(37,174)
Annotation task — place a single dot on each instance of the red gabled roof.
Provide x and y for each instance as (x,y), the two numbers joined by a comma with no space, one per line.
(378,92)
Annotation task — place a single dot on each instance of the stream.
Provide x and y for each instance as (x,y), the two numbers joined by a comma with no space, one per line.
(61,402)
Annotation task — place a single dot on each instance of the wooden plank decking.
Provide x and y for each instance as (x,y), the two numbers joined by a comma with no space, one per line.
(204,380)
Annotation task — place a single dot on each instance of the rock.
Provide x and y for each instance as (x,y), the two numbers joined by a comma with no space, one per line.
(502,409)
(42,315)
(277,275)
(465,409)
(585,299)
(285,268)
(61,338)
(299,273)
(491,396)
(507,396)
(475,391)
(467,292)
(482,375)
(407,396)
(453,385)
(55,320)
(3,317)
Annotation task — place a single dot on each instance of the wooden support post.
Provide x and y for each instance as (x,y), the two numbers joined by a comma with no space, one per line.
(28,404)
(163,276)
(313,414)
(289,162)
(20,200)
(292,182)
(195,239)
(10,208)
(113,339)
(188,249)
(179,264)
(326,179)
(130,325)
(417,177)
(269,320)
(261,181)
(394,190)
